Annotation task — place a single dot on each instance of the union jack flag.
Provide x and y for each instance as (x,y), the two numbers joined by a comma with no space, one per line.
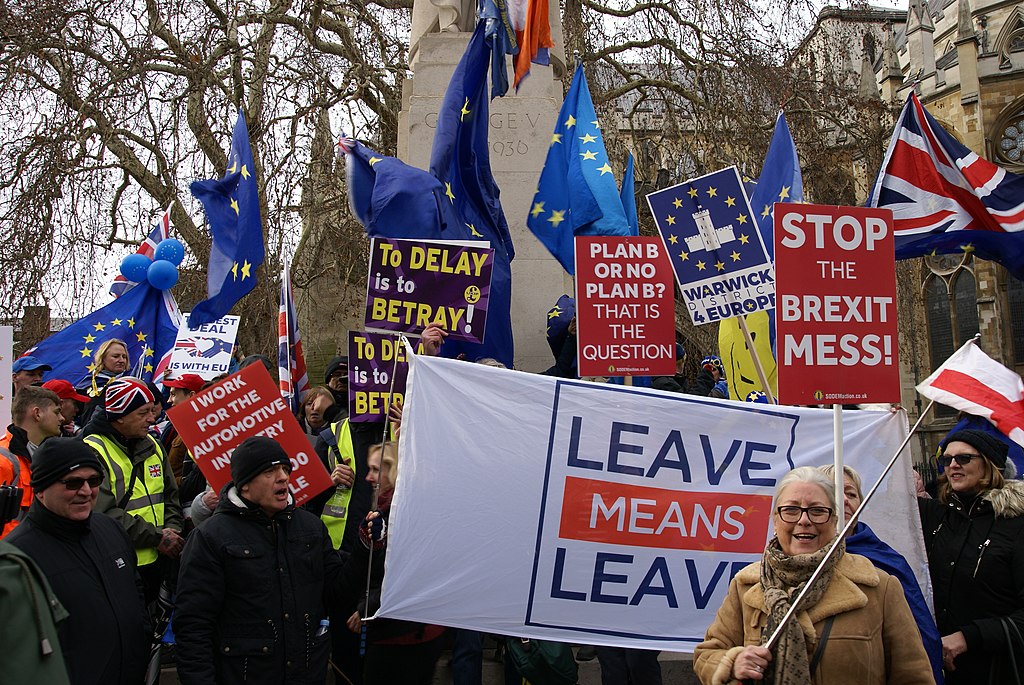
(291,363)
(946,199)
(161,231)
(154,471)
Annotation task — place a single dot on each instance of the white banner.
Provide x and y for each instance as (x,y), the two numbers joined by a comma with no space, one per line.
(602,514)
(205,351)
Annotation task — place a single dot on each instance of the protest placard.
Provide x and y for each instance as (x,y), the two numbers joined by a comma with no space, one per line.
(625,308)
(377,373)
(836,320)
(205,351)
(714,246)
(217,420)
(623,513)
(413,284)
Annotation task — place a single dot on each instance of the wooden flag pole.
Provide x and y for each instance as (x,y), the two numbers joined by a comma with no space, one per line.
(757,362)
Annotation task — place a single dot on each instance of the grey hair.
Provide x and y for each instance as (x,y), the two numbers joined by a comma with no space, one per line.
(491,361)
(848,471)
(1009,470)
(808,474)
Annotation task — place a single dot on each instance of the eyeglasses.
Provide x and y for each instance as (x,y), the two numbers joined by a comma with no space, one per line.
(75,484)
(815,514)
(961,459)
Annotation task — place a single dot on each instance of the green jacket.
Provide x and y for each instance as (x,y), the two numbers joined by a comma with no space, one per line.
(29,649)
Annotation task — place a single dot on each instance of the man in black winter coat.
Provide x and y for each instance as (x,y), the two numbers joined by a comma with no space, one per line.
(90,564)
(255,581)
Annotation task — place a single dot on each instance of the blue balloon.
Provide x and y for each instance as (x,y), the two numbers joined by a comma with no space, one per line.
(171,250)
(162,274)
(135,266)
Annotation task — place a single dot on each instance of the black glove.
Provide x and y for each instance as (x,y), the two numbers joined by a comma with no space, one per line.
(375,529)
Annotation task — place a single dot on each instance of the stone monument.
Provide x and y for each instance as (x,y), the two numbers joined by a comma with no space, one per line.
(521,124)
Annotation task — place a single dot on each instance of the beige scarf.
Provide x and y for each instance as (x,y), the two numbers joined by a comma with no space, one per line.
(782,579)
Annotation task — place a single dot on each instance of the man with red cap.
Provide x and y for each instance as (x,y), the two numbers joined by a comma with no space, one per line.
(139,491)
(71,402)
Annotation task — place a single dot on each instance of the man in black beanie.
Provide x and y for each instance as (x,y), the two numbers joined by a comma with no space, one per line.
(256,579)
(90,564)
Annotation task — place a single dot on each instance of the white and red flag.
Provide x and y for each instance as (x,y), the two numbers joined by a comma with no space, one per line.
(973,382)
(290,361)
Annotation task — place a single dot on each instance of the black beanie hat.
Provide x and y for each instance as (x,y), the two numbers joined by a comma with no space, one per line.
(58,456)
(254,456)
(991,447)
(333,365)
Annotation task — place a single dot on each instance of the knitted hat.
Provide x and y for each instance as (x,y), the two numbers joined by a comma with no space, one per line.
(59,456)
(254,456)
(334,365)
(991,447)
(125,395)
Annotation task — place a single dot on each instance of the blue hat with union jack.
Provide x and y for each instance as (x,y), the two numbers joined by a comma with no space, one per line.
(125,395)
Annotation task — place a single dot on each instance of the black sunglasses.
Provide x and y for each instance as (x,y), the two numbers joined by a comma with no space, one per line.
(75,484)
(961,459)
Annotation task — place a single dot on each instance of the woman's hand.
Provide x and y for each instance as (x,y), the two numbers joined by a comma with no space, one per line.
(751,662)
(952,646)
(354,622)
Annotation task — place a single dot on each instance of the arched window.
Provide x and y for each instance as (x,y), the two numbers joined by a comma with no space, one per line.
(1008,137)
(951,307)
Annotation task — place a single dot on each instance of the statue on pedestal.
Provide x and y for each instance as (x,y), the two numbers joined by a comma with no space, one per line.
(440,16)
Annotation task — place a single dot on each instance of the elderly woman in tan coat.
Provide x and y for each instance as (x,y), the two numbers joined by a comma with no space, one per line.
(852,626)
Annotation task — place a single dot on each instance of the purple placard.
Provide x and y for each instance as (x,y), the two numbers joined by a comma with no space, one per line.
(414,283)
(371,363)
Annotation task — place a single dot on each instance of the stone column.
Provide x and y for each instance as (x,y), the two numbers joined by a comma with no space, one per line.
(520,132)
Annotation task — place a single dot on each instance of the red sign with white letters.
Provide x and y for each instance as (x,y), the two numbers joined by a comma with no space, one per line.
(835,281)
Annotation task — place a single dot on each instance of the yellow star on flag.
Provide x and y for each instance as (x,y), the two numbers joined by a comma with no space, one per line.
(589,154)
(147,352)
(730,201)
(784,193)
(556,218)
(89,338)
(465,110)
(99,327)
(234,167)
(766,212)
(701,266)
(968,248)
(148,368)
(742,218)
(374,160)
(141,337)
(234,205)
(570,122)
(744,239)
(712,192)
(677,203)
(673,239)
(234,271)
(538,209)
(245,269)
(91,368)
(475,233)
(245,172)
(556,138)
(720,266)
(670,220)
(554,313)
(448,192)
(131,323)
(605,169)
(683,256)
(115,322)
(588,139)
(85,351)
(692,192)
(735,256)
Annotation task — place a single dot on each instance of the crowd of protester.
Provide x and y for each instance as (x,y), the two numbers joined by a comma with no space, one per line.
(119,547)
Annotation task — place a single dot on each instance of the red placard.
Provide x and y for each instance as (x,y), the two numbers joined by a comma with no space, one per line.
(217,420)
(835,282)
(625,308)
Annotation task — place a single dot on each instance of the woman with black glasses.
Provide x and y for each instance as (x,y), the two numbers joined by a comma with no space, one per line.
(852,626)
(974,535)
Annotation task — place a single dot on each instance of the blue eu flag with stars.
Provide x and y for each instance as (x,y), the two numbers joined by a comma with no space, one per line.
(144,318)
(577,194)
(232,206)
(780,181)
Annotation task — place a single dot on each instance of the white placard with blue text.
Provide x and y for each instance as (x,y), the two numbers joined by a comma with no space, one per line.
(602,514)
(205,351)
(710,232)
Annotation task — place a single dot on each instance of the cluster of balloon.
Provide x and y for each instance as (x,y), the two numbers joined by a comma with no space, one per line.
(161,271)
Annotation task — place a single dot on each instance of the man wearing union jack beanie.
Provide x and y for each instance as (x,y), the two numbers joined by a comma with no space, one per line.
(139,490)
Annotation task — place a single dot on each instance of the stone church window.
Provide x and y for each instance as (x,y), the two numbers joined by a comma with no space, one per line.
(1011,141)
(951,309)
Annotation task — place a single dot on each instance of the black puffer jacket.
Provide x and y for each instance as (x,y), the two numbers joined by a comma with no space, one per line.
(976,556)
(251,593)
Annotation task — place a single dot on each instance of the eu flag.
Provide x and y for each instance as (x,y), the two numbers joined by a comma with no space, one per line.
(390,198)
(780,181)
(460,160)
(232,206)
(576,194)
(144,318)
(629,198)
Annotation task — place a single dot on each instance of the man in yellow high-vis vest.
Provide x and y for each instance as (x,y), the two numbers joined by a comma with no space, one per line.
(139,490)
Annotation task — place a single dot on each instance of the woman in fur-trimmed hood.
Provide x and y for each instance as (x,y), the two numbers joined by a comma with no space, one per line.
(973,536)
